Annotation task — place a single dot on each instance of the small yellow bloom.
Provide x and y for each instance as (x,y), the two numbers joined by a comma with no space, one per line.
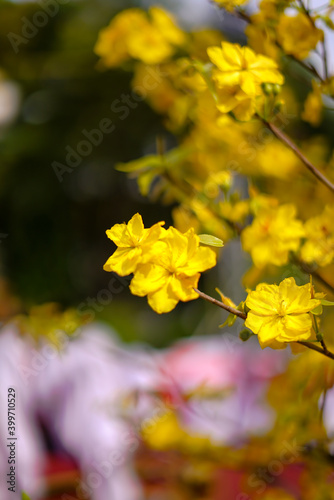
(238,76)
(234,99)
(275,153)
(273,233)
(319,245)
(172,272)
(297,35)
(134,245)
(240,66)
(280,313)
(151,38)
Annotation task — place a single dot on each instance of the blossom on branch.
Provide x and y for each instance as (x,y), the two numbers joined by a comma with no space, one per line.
(281,312)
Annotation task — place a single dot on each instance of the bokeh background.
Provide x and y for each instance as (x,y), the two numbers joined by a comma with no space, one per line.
(53,246)
(51,90)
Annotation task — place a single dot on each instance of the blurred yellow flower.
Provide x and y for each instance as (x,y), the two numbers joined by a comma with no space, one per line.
(48,322)
(242,67)
(275,153)
(273,233)
(173,271)
(281,312)
(261,36)
(134,244)
(297,35)
(230,5)
(236,100)
(238,76)
(167,433)
(151,38)
(312,112)
(319,245)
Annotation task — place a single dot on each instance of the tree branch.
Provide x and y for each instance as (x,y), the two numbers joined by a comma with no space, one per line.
(216,302)
(325,352)
(291,145)
(232,310)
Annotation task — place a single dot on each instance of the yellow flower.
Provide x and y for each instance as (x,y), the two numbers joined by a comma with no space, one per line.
(111,44)
(234,99)
(173,272)
(275,153)
(230,5)
(312,112)
(319,246)
(240,66)
(273,233)
(132,33)
(281,313)
(47,322)
(297,35)
(261,36)
(135,244)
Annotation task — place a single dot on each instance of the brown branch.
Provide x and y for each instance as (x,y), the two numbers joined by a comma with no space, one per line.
(291,145)
(216,302)
(309,270)
(325,352)
(321,350)
(245,17)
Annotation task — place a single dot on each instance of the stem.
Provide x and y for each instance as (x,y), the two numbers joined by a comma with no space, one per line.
(322,350)
(325,59)
(311,69)
(325,352)
(291,145)
(308,270)
(230,309)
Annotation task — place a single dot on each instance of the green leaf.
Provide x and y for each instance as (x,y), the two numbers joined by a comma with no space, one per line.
(317,310)
(231,318)
(326,302)
(25,496)
(212,241)
(147,162)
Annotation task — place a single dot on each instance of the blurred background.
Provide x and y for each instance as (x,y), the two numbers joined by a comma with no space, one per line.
(54,244)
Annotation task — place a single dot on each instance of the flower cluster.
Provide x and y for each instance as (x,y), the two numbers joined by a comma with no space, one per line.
(273,233)
(151,38)
(319,244)
(298,35)
(166,263)
(239,76)
(281,313)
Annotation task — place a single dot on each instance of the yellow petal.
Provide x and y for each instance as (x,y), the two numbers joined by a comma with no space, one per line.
(254,321)
(123,261)
(148,278)
(263,301)
(119,235)
(163,300)
(270,330)
(183,287)
(136,226)
(204,259)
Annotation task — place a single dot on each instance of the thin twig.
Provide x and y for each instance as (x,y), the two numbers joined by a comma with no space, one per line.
(321,350)
(291,145)
(316,348)
(325,59)
(309,270)
(230,309)
(311,69)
